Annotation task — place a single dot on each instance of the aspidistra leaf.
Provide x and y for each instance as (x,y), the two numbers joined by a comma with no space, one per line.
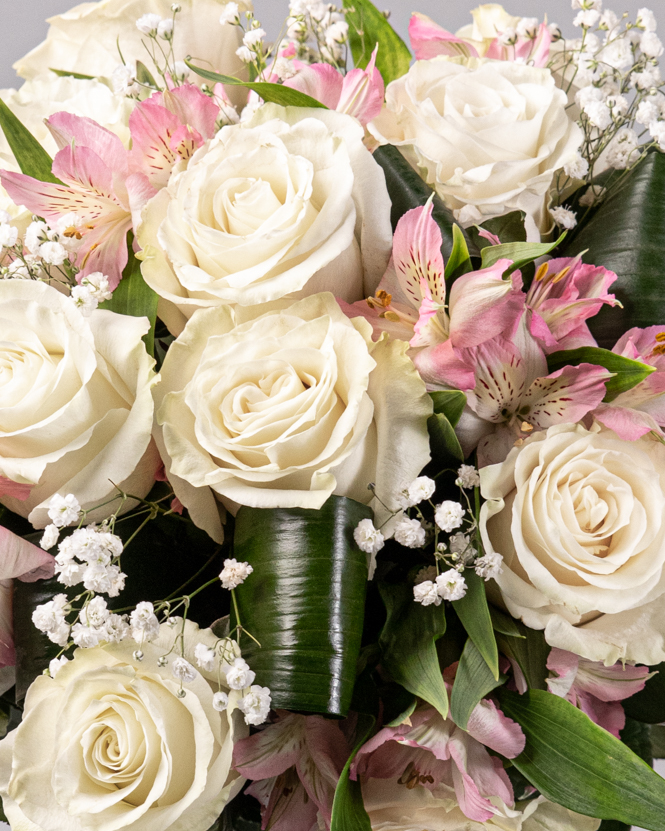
(521,253)
(31,157)
(627,373)
(367,27)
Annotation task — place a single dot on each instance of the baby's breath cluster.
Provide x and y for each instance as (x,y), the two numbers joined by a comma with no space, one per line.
(318,32)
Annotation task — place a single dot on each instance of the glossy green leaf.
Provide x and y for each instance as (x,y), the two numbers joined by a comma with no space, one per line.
(31,157)
(627,373)
(145,76)
(530,652)
(626,234)
(648,705)
(407,190)
(508,228)
(474,613)
(449,402)
(134,297)
(274,93)
(444,443)
(348,811)
(473,681)
(408,642)
(459,261)
(367,27)
(521,253)
(63,73)
(305,604)
(579,765)
(504,624)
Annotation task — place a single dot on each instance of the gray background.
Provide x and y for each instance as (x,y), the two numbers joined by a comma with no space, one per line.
(24,24)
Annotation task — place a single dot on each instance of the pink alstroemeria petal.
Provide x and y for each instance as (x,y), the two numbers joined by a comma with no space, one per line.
(565,395)
(320,81)
(363,92)
(471,802)
(289,807)
(628,424)
(500,378)
(191,107)
(15,489)
(613,683)
(488,725)
(609,715)
(441,366)
(428,40)
(417,255)
(20,558)
(68,129)
(488,235)
(273,750)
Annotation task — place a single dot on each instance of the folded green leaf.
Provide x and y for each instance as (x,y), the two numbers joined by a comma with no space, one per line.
(63,73)
(579,765)
(348,811)
(134,297)
(648,705)
(473,612)
(473,681)
(31,157)
(504,624)
(408,643)
(508,228)
(450,403)
(530,652)
(444,443)
(274,93)
(459,261)
(367,27)
(627,373)
(305,602)
(145,76)
(521,253)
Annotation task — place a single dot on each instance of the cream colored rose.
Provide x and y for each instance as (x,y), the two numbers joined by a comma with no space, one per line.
(489,20)
(288,204)
(393,806)
(86,38)
(107,745)
(487,135)
(76,408)
(284,405)
(579,517)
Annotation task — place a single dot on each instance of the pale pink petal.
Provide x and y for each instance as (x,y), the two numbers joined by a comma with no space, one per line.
(613,683)
(186,141)
(363,92)
(104,249)
(320,81)
(565,395)
(192,107)
(441,366)
(139,192)
(484,305)
(488,235)
(628,424)
(15,489)
(84,132)
(428,40)
(20,558)
(152,127)
(488,725)
(500,378)
(471,802)
(540,48)
(400,329)
(417,255)
(541,332)
(289,807)
(271,751)
(327,746)
(319,789)
(609,715)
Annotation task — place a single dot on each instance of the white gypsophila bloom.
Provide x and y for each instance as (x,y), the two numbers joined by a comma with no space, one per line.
(467,477)
(528,27)
(564,217)
(623,150)
(587,95)
(592,195)
(96,578)
(586,4)
(180,71)
(98,285)
(618,54)
(367,537)
(646,20)
(116,629)
(255,705)
(96,613)
(253,38)
(63,510)
(239,676)
(234,573)
(488,566)
(647,111)
(183,670)
(220,701)
(420,490)
(116,579)
(48,616)
(657,131)
(599,114)
(50,537)
(8,235)
(231,14)
(84,544)
(426,594)
(144,623)
(508,36)
(123,80)
(449,515)
(84,300)
(56,664)
(451,585)
(68,572)
(618,104)
(651,45)
(336,33)
(283,68)
(460,544)
(85,636)
(244,54)
(148,24)
(16,270)
(609,20)
(60,635)
(586,19)
(165,29)
(205,657)
(35,235)
(410,533)
(647,78)
(5,217)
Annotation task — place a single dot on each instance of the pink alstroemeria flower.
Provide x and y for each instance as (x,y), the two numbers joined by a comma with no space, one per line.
(359,93)
(594,688)
(432,751)
(296,763)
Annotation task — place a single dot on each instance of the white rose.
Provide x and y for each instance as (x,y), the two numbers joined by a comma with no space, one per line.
(489,21)
(284,405)
(487,135)
(108,744)
(394,806)
(578,516)
(86,38)
(76,409)
(289,203)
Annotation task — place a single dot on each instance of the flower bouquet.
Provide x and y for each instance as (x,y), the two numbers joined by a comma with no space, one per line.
(332,422)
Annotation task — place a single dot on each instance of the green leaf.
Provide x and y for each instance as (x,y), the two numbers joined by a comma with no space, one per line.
(348,811)
(135,298)
(504,624)
(626,234)
(521,253)
(408,644)
(579,765)
(474,613)
(305,603)
(63,73)
(627,373)
(274,93)
(473,681)
(508,228)
(530,652)
(407,190)
(459,261)
(31,157)
(648,705)
(444,443)
(145,76)
(450,403)
(367,27)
